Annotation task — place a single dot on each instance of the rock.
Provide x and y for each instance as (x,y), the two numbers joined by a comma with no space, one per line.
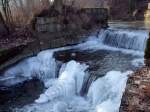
(137,95)
(20,94)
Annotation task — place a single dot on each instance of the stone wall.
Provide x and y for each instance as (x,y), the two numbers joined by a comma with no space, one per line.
(71,19)
(48,24)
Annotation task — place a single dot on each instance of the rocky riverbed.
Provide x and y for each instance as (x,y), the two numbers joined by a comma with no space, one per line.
(137,95)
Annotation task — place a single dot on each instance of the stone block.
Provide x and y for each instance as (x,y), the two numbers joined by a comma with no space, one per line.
(51,28)
(59,27)
(46,20)
(41,28)
(40,20)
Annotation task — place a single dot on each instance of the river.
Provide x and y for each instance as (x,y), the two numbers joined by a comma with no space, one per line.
(88,77)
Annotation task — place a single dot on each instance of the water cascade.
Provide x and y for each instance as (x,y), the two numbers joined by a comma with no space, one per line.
(42,66)
(107,97)
(124,39)
(68,84)
(74,89)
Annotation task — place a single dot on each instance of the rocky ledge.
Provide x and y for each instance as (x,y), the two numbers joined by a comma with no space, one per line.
(137,95)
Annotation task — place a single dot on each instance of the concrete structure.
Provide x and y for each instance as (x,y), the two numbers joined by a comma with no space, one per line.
(56,23)
(48,24)
(102,13)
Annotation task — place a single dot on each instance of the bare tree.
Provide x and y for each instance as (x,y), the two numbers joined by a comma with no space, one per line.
(58,5)
(3,26)
(6,11)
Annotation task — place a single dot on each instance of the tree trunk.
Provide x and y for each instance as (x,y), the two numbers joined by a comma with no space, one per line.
(6,10)
(3,27)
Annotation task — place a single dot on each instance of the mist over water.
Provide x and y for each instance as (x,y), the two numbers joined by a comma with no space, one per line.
(88,77)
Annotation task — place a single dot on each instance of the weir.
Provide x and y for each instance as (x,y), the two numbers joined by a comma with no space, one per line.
(125,39)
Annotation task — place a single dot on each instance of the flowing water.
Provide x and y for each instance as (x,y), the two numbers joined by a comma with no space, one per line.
(88,77)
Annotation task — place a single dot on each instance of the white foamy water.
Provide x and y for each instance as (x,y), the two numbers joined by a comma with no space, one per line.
(68,84)
(126,41)
(104,94)
(42,66)
(138,62)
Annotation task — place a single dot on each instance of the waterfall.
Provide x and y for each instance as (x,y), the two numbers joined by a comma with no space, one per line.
(73,89)
(106,93)
(124,39)
(43,66)
(67,85)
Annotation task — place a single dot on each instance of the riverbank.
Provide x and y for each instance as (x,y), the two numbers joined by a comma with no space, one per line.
(137,95)
(12,52)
